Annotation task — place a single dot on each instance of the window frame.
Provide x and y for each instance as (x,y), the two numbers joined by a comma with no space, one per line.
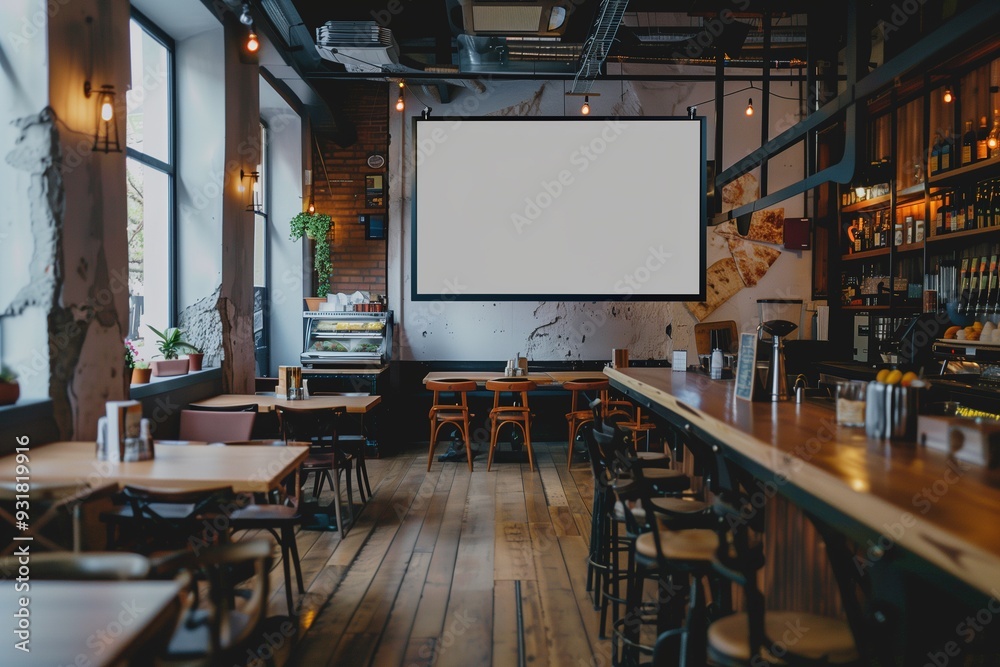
(168,168)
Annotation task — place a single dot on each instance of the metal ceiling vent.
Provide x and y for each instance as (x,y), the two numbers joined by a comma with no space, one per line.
(360,46)
(503,17)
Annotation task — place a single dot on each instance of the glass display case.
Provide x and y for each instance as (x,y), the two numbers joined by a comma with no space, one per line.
(339,338)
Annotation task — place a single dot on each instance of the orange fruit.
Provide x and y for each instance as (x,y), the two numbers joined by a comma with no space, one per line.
(908,378)
(882,375)
(894,377)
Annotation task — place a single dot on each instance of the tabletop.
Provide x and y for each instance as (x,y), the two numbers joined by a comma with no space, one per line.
(948,509)
(84,622)
(551,378)
(194,466)
(354,404)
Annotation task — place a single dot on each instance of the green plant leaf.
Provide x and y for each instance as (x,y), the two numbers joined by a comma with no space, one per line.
(316,226)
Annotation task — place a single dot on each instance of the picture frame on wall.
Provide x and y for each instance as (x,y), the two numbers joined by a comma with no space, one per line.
(375,228)
(374,191)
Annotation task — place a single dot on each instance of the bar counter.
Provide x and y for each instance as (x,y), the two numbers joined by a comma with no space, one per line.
(934,517)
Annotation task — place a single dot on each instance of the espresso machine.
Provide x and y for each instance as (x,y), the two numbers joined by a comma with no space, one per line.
(776,385)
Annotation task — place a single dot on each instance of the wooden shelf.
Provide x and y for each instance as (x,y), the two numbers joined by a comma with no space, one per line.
(863,308)
(988,168)
(867,254)
(868,204)
(910,194)
(964,234)
(910,247)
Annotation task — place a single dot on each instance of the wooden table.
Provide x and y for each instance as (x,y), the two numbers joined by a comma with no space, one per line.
(246,469)
(546,379)
(948,512)
(354,404)
(92,623)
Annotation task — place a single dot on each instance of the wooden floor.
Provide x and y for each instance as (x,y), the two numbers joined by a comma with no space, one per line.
(442,568)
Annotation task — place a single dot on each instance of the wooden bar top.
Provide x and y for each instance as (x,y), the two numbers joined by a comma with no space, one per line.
(943,511)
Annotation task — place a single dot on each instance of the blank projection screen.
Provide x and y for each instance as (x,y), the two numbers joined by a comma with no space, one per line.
(559,209)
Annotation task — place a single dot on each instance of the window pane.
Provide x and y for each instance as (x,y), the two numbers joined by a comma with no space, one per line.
(148,101)
(148,247)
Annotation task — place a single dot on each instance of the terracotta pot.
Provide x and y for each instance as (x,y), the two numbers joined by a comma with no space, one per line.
(9,392)
(312,302)
(194,361)
(141,375)
(166,367)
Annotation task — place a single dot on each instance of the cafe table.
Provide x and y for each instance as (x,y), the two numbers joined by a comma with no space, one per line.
(92,623)
(192,466)
(265,403)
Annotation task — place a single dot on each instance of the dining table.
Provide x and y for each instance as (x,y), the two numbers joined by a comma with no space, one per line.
(266,402)
(553,379)
(94,623)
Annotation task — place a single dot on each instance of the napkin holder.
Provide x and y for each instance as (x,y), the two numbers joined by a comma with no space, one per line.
(122,434)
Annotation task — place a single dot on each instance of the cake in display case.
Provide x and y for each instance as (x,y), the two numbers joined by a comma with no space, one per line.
(339,338)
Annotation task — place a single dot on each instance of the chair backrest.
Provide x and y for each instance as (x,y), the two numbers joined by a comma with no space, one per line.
(501,385)
(318,426)
(173,513)
(457,386)
(75,566)
(212,426)
(243,407)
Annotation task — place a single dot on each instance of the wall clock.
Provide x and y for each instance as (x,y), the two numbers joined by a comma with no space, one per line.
(376,161)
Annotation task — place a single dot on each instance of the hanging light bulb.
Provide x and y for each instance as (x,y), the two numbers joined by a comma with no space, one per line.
(749,109)
(585,109)
(253,44)
(312,208)
(948,97)
(107,110)
(400,103)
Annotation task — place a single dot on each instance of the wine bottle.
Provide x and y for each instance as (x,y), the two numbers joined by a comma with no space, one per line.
(973,295)
(947,213)
(982,136)
(958,212)
(946,156)
(993,138)
(970,210)
(985,276)
(934,161)
(995,203)
(994,285)
(968,153)
(963,278)
(981,201)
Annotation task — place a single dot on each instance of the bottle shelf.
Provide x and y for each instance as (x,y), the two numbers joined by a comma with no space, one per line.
(909,195)
(865,254)
(910,247)
(882,201)
(977,170)
(963,234)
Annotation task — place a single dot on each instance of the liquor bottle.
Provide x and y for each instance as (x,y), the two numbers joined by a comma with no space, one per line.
(994,306)
(946,154)
(968,144)
(958,212)
(993,138)
(970,210)
(970,305)
(982,136)
(858,233)
(963,278)
(934,161)
(981,203)
(947,212)
(985,277)
(877,231)
(995,204)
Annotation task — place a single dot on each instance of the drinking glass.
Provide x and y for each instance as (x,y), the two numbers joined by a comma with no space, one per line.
(851,402)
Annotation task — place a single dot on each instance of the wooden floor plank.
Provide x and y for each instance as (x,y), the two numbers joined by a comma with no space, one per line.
(505,633)
(393,643)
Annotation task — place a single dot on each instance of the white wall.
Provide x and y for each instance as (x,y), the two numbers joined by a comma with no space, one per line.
(284,256)
(580,330)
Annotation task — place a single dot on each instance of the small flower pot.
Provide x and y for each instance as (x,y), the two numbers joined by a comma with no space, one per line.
(167,367)
(9,392)
(313,302)
(194,361)
(141,375)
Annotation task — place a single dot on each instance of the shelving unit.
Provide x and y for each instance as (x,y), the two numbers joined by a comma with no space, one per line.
(908,128)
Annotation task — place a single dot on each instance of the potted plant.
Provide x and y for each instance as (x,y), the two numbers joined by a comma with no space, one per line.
(10,390)
(316,226)
(136,364)
(170,344)
(195,357)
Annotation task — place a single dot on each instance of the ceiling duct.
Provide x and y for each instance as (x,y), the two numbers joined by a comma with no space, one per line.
(503,17)
(360,46)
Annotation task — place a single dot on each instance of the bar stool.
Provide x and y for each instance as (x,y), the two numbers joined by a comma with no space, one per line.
(638,428)
(577,417)
(455,414)
(518,414)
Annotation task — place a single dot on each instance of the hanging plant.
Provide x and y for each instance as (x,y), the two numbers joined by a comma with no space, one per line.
(316,226)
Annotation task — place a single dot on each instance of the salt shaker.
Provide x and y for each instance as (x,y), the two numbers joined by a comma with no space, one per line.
(715,369)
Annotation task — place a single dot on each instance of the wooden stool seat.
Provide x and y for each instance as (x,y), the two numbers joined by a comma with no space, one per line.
(666,504)
(824,639)
(679,545)
(517,415)
(454,414)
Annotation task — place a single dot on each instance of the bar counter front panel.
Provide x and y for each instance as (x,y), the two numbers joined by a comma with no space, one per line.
(935,519)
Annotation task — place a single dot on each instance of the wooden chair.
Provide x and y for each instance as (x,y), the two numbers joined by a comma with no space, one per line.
(49,501)
(265,425)
(216,426)
(320,428)
(578,416)
(455,413)
(518,414)
(215,630)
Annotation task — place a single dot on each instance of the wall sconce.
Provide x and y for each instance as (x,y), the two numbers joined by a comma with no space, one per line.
(585,109)
(948,97)
(106,128)
(256,204)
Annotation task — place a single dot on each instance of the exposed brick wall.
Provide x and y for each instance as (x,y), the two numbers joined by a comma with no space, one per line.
(358,264)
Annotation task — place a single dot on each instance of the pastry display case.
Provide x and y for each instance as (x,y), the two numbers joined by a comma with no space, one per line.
(339,338)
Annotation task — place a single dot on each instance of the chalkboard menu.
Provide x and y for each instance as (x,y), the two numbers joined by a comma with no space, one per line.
(746,367)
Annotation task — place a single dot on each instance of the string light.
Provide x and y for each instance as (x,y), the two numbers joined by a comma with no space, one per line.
(400,103)
(749,110)
(253,44)
(948,97)
(312,208)
(585,109)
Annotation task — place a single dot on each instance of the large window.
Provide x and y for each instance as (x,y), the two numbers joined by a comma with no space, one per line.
(150,179)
